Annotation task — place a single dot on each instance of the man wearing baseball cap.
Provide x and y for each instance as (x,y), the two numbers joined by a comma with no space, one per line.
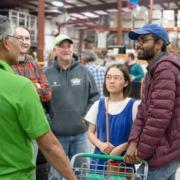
(155,135)
(73,92)
(61,38)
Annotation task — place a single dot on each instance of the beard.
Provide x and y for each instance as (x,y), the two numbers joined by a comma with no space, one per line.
(146,54)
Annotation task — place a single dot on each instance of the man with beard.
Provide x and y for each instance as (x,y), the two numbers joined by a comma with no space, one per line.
(155,135)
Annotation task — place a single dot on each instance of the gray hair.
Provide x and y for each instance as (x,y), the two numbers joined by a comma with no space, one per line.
(88,55)
(5,27)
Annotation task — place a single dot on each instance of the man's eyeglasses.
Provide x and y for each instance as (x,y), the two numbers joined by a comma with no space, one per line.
(114,77)
(140,42)
(22,38)
(10,36)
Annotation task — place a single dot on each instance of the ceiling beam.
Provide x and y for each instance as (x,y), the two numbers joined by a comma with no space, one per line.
(163,6)
(12,2)
(82,1)
(102,1)
(92,8)
(79,21)
(86,27)
(178,6)
(74,6)
(67,3)
(89,4)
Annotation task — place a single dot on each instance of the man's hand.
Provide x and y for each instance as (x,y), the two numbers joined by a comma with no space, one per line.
(106,147)
(54,153)
(131,154)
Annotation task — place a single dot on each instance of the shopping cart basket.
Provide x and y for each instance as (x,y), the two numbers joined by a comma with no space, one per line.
(89,170)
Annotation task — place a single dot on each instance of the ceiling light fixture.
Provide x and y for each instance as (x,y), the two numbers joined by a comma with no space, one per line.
(89,14)
(58,3)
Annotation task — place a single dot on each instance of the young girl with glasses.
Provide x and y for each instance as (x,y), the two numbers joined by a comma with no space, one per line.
(116,109)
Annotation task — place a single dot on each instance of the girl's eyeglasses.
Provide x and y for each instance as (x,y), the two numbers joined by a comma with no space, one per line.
(114,77)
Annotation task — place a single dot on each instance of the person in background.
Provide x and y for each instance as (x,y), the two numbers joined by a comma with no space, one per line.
(121,112)
(136,74)
(111,59)
(98,72)
(22,118)
(89,43)
(73,92)
(28,68)
(155,134)
(34,56)
(50,58)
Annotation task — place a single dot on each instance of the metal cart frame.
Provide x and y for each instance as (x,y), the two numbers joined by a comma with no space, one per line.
(86,172)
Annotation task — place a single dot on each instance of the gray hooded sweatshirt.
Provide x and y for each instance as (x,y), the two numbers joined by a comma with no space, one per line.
(73,92)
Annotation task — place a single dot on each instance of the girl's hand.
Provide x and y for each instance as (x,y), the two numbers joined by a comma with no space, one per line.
(119,149)
(115,152)
(106,147)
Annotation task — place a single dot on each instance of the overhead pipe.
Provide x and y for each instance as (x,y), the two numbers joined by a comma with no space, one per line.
(151,4)
(41,29)
(119,23)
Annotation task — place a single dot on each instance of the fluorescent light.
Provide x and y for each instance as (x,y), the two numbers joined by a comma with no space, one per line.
(57,3)
(88,14)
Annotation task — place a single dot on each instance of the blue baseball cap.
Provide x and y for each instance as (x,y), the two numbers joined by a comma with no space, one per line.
(150,29)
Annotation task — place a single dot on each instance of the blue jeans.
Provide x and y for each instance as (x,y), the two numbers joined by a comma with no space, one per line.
(166,172)
(72,145)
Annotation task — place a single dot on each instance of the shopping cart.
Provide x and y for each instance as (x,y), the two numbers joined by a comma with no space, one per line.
(90,170)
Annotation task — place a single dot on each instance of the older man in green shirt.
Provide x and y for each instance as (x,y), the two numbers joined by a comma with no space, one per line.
(22,119)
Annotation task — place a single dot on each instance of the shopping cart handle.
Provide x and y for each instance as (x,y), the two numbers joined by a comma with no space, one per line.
(103,156)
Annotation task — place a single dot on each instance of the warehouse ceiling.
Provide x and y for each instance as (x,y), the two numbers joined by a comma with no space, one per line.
(79,11)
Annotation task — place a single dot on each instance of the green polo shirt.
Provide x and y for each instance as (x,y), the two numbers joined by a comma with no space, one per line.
(22,119)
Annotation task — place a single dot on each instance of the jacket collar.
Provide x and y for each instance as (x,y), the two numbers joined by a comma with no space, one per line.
(73,64)
(155,59)
(25,60)
(5,66)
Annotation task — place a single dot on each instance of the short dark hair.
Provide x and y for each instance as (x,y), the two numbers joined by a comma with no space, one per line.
(157,38)
(131,55)
(123,68)
(89,39)
(88,56)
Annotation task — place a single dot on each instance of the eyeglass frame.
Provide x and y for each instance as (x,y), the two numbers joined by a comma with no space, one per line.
(143,41)
(114,77)
(22,38)
(6,36)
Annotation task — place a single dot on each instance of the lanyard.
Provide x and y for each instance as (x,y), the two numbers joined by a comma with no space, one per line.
(107,121)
